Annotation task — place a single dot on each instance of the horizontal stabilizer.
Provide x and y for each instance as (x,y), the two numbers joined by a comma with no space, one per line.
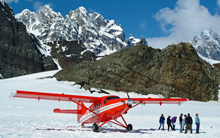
(13,93)
(66,111)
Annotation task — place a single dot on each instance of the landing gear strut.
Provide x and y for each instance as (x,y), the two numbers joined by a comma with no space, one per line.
(95,126)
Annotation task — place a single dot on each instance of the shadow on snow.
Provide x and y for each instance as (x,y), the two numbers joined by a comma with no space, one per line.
(103,129)
(107,130)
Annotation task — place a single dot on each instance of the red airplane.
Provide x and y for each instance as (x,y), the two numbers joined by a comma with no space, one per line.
(102,109)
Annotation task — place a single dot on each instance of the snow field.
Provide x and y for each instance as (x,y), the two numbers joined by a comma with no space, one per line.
(32,118)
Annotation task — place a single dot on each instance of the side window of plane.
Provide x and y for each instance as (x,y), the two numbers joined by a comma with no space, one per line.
(105,101)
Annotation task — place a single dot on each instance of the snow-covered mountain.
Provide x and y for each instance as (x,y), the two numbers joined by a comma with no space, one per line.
(135,41)
(98,34)
(207,44)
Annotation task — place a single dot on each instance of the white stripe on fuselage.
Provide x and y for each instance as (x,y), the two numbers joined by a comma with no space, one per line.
(88,115)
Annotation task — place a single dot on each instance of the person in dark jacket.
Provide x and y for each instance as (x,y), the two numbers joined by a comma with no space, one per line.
(188,123)
(169,123)
(181,122)
(161,121)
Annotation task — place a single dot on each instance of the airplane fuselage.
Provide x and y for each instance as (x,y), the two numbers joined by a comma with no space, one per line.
(107,110)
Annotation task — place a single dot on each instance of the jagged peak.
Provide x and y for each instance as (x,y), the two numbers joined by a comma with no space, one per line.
(25,13)
(131,36)
(209,32)
(6,6)
(46,7)
(82,10)
(205,32)
(110,23)
(69,14)
(25,10)
(96,15)
(47,10)
(2,2)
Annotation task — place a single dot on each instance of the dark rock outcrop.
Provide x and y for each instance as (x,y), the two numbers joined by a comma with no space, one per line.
(19,54)
(70,53)
(176,71)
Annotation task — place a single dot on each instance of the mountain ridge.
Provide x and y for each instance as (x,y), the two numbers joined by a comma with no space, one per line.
(99,35)
(207,43)
(175,71)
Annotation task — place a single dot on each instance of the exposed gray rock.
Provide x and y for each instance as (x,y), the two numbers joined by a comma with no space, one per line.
(70,53)
(19,53)
(176,71)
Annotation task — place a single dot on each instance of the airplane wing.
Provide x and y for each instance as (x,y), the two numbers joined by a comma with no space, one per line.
(158,100)
(55,96)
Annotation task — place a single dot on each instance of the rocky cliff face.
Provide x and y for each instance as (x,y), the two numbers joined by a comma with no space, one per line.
(19,51)
(99,35)
(176,71)
(69,53)
(208,44)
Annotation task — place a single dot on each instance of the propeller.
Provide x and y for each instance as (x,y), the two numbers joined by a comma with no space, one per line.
(130,102)
(128,96)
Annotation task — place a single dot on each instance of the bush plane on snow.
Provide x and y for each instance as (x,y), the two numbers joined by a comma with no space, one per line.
(102,109)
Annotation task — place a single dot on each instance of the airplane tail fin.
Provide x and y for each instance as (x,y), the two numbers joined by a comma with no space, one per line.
(83,108)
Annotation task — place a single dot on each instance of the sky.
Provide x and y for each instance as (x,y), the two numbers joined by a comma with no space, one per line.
(161,22)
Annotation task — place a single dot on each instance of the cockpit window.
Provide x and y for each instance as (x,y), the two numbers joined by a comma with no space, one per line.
(105,101)
(112,97)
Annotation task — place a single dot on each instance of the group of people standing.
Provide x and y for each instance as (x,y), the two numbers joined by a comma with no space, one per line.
(184,122)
